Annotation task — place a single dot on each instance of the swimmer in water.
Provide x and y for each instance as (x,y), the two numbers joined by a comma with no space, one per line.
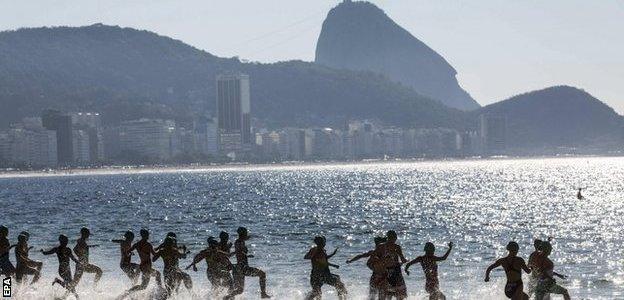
(429,264)
(218,266)
(6,267)
(378,280)
(127,266)
(546,283)
(82,252)
(24,265)
(64,254)
(579,195)
(320,270)
(242,268)
(513,266)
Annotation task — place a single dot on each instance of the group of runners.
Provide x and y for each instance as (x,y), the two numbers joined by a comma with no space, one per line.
(385,260)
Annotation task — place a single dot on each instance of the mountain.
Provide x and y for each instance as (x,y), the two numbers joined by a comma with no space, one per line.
(127,74)
(360,36)
(558,116)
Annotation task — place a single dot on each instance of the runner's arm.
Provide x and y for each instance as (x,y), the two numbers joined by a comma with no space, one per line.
(49,252)
(333,253)
(560,275)
(490,268)
(360,256)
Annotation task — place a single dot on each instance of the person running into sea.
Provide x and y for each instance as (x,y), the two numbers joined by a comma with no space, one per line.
(320,270)
(533,265)
(171,254)
(6,267)
(145,250)
(218,266)
(513,266)
(127,266)
(82,252)
(429,264)
(546,283)
(378,280)
(224,242)
(393,258)
(32,263)
(64,254)
(24,265)
(242,268)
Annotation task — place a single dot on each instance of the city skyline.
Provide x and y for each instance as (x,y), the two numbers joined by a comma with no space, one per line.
(562,42)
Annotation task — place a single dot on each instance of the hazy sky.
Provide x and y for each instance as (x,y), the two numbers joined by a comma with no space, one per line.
(499,47)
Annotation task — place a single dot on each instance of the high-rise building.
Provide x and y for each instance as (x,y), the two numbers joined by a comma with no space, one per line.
(62,124)
(148,138)
(493,132)
(206,136)
(91,124)
(233,114)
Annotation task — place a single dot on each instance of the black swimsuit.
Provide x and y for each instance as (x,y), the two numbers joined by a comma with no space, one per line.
(512,287)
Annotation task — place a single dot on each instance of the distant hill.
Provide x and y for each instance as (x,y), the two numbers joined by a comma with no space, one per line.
(127,74)
(360,36)
(559,116)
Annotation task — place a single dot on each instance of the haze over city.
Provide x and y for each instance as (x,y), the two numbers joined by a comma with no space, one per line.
(499,48)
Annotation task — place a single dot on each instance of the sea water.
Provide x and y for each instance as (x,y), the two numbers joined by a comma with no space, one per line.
(479,205)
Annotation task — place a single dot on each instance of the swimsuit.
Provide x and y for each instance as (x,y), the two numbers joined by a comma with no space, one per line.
(512,287)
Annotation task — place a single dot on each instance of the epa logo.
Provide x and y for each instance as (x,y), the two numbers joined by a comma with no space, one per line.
(6,287)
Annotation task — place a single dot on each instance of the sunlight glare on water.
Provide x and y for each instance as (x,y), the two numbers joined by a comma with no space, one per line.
(479,205)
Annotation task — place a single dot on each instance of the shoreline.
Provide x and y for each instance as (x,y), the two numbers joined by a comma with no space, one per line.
(143,169)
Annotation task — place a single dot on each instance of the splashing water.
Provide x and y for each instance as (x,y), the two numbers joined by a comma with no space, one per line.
(479,205)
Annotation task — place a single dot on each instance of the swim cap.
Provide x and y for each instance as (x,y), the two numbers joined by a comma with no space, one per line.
(144,232)
(537,243)
(429,247)
(84,231)
(63,239)
(212,243)
(545,247)
(513,247)
(224,235)
(241,231)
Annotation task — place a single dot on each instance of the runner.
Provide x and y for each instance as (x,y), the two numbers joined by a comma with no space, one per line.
(320,271)
(82,252)
(171,255)
(218,266)
(429,264)
(242,268)
(6,267)
(64,254)
(127,266)
(378,280)
(513,266)
(24,265)
(393,258)
(145,250)
(547,283)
